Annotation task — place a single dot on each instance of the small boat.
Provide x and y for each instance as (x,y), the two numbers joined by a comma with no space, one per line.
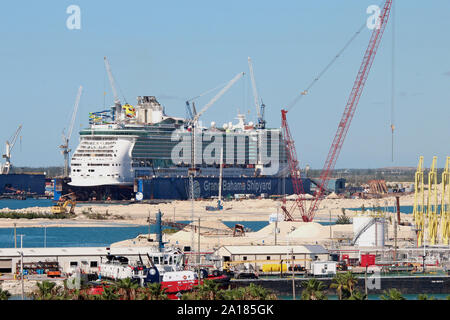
(174,283)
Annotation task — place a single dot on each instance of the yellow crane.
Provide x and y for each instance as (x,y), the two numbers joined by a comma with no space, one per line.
(432,203)
(419,200)
(445,204)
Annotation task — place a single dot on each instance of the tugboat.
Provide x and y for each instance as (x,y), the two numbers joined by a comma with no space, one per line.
(174,283)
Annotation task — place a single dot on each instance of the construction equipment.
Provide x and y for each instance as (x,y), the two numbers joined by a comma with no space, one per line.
(378,186)
(419,203)
(432,203)
(194,120)
(238,230)
(445,203)
(259,108)
(191,112)
(66,138)
(124,112)
(64,201)
(5,169)
(192,124)
(343,126)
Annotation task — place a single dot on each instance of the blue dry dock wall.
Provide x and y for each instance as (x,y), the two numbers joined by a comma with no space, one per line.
(205,187)
(32,183)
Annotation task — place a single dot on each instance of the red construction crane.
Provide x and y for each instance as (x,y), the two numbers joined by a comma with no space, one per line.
(343,126)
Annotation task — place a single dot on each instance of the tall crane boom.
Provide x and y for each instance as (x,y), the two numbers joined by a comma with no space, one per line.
(66,138)
(217,96)
(259,109)
(352,103)
(343,126)
(9,146)
(112,83)
(74,113)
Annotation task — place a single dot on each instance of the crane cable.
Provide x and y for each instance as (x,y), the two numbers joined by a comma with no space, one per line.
(305,92)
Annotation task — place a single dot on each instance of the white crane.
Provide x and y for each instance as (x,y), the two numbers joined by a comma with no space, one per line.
(66,138)
(9,146)
(216,97)
(117,104)
(259,109)
(194,121)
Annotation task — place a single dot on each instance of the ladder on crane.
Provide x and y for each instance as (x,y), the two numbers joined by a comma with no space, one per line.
(343,126)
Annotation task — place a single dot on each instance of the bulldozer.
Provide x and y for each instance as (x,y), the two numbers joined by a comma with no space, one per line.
(64,201)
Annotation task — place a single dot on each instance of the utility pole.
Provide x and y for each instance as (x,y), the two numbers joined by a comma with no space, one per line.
(15,237)
(276,228)
(198,249)
(148,238)
(293,276)
(21,266)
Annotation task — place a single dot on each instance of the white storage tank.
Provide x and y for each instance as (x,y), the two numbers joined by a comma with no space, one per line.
(368,231)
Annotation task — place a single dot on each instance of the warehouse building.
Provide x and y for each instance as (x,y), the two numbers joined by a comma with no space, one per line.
(67,260)
(258,256)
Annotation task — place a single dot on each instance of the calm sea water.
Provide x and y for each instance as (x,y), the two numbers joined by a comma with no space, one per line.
(83,236)
(393,209)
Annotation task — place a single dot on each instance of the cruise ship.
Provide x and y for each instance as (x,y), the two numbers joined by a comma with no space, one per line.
(128,142)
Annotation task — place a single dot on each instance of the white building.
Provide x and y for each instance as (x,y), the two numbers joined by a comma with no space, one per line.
(259,255)
(87,259)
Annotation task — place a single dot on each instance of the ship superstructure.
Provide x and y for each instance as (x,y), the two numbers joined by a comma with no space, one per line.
(127,142)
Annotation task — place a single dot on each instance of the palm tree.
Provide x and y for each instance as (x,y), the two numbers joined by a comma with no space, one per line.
(109,293)
(356,295)
(4,294)
(152,291)
(313,290)
(46,290)
(392,294)
(126,288)
(351,282)
(340,284)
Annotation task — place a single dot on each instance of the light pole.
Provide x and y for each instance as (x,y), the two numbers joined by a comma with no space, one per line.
(21,265)
(293,275)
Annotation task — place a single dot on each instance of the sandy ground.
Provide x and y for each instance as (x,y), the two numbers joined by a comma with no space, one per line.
(236,210)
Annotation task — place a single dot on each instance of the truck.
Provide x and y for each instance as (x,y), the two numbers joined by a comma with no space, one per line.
(323,268)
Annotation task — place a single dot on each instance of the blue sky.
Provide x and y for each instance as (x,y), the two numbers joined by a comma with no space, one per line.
(178,49)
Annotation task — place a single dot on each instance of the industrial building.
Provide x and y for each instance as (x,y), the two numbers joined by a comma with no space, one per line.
(87,259)
(258,256)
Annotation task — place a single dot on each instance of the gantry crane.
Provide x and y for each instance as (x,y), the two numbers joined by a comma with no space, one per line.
(419,203)
(9,146)
(259,108)
(66,138)
(343,126)
(445,203)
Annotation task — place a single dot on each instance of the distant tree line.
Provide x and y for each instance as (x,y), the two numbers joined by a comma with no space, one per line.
(50,172)
(352,176)
(362,176)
